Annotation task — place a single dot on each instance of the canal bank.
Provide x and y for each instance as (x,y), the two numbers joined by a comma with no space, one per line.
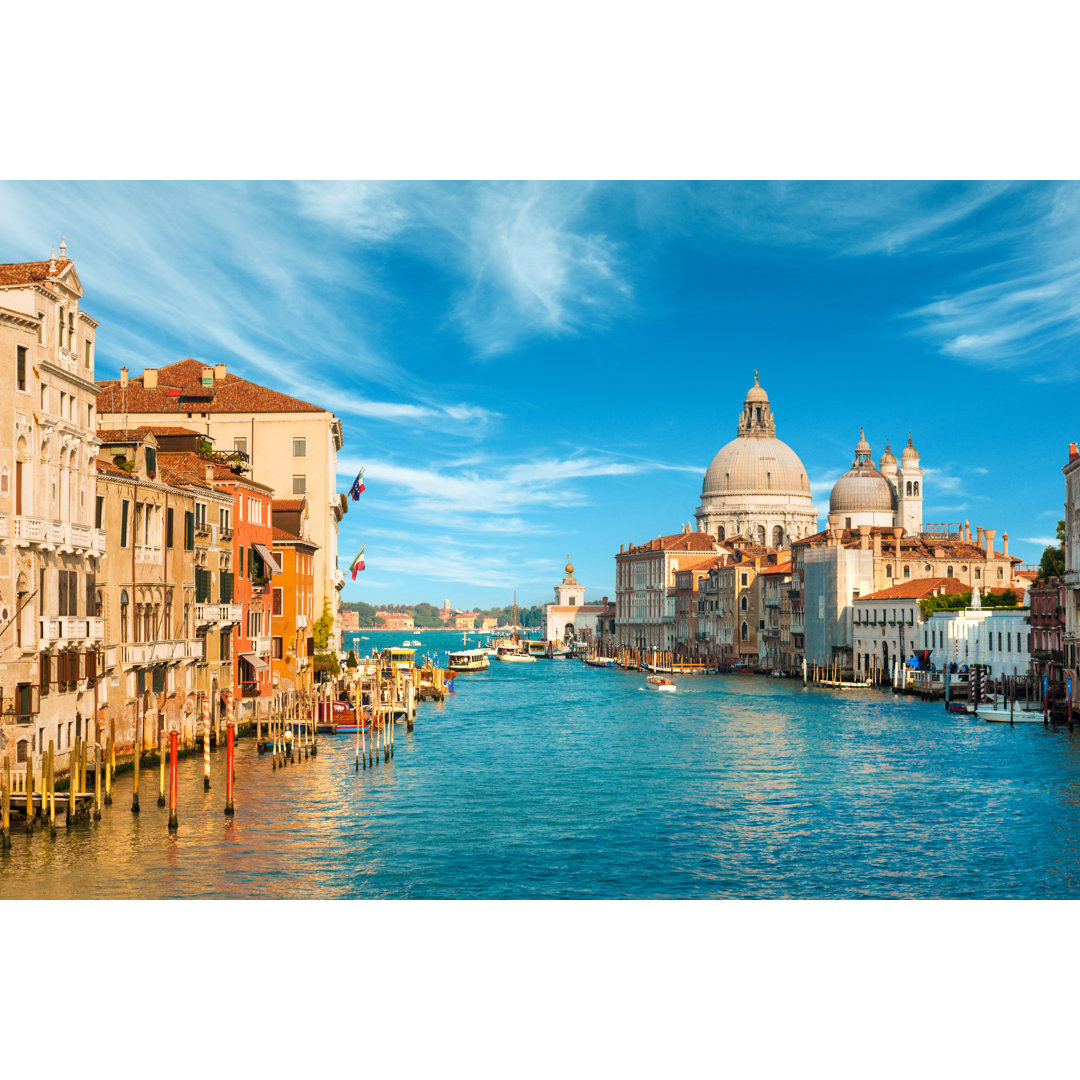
(555,779)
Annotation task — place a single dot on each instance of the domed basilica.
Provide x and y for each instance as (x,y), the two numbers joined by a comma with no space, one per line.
(756,486)
(888,495)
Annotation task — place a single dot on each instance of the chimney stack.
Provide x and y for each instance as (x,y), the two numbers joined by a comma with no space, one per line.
(1005,543)
(123,377)
(209,472)
(877,545)
(979,535)
(149,378)
(1073,452)
(967,531)
(207,376)
(864,537)
(622,548)
(988,535)
(219,373)
(898,531)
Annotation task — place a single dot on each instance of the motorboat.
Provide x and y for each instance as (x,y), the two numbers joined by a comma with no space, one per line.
(539,649)
(740,669)
(468,660)
(411,643)
(513,655)
(658,682)
(599,661)
(1003,716)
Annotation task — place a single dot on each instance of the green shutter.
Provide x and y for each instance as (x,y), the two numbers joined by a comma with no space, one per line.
(168,527)
(189,531)
(123,523)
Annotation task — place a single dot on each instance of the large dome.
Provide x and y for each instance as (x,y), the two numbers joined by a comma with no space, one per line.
(756,466)
(860,490)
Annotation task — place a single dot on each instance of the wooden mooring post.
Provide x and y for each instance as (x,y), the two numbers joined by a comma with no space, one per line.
(52,792)
(97,780)
(73,782)
(30,793)
(5,805)
(161,767)
(174,823)
(206,742)
(110,763)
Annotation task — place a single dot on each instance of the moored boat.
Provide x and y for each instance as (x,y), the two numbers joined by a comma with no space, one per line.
(468,660)
(658,682)
(513,655)
(599,661)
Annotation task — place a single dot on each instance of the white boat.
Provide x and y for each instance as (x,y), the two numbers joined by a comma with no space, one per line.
(410,643)
(468,660)
(513,655)
(1002,716)
(658,682)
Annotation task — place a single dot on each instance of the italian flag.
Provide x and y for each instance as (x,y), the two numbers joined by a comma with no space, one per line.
(358,563)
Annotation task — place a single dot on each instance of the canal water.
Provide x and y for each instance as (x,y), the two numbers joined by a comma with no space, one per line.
(556,780)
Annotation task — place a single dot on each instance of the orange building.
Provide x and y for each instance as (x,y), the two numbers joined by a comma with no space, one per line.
(292,646)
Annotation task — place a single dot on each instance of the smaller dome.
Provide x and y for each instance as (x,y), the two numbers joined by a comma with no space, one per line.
(887,458)
(909,453)
(756,393)
(862,490)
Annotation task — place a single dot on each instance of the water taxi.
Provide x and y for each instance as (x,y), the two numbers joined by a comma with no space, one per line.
(658,682)
(468,660)
(514,655)
(539,649)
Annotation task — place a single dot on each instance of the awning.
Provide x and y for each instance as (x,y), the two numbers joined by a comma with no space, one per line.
(256,661)
(268,558)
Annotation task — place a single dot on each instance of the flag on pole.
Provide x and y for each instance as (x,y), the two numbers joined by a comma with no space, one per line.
(358,563)
(358,486)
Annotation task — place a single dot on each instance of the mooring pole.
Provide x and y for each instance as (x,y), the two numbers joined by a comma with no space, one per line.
(174,823)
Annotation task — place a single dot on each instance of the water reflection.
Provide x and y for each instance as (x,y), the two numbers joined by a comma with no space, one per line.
(557,780)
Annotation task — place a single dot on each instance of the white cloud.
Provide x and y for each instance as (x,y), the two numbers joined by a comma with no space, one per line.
(1041,541)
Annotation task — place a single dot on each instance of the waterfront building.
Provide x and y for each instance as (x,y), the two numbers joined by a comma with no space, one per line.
(291,445)
(350,621)
(730,605)
(684,594)
(397,620)
(644,576)
(888,623)
(997,637)
(831,568)
(489,622)
(774,640)
(890,495)
(51,537)
(570,618)
(756,486)
(153,592)
(1047,632)
(464,620)
(1071,577)
(292,645)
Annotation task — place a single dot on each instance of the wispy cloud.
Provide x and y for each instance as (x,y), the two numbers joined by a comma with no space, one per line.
(525,262)
(1041,541)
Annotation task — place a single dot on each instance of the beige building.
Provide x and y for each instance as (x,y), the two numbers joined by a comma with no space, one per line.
(291,445)
(51,538)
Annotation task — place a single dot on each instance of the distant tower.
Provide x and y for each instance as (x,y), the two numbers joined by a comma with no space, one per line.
(568,593)
(909,491)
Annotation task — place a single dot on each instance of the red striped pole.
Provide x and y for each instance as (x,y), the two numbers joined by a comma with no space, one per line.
(206,742)
(174,824)
(229,735)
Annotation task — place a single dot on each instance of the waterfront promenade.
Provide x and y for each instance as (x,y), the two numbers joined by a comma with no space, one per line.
(555,780)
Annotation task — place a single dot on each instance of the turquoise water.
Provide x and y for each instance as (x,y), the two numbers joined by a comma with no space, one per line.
(557,780)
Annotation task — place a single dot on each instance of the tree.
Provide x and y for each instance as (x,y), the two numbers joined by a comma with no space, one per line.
(323,627)
(478,622)
(350,660)
(1052,563)
(324,664)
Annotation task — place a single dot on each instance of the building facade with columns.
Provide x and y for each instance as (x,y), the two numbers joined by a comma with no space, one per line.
(756,486)
(52,541)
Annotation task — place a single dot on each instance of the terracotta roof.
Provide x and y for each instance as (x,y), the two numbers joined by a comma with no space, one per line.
(180,390)
(161,429)
(288,504)
(31,272)
(919,589)
(688,541)
(911,547)
(782,568)
(1029,575)
(194,467)
(124,435)
(111,470)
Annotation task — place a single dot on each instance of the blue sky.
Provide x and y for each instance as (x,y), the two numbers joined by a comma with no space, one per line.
(530,369)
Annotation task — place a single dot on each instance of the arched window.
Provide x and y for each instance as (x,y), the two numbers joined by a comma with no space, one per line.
(888,570)
(907,571)
(777,536)
(761,535)
(928,569)
(1001,572)
(720,532)
(909,487)
(949,572)
(744,632)
(916,487)
(124,611)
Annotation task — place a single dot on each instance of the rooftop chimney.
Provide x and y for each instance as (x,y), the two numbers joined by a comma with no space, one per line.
(219,373)
(149,378)
(1073,452)
(979,535)
(209,472)
(207,376)
(1005,541)
(877,544)
(123,376)
(864,537)
(967,531)
(898,531)
(622,548)
(988,535)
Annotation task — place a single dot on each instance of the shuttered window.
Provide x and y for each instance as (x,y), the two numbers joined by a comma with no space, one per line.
(189,531)
(226,587)
(168,527)
(123,523)
(204,582)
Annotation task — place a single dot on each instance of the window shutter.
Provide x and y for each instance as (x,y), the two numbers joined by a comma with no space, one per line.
(189,531)
(168,527)
(73,593)
(241,550)
(91,590)
(226,587)
(123,523)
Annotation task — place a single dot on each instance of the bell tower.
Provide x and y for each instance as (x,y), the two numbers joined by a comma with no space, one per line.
(568,593)
(909,491)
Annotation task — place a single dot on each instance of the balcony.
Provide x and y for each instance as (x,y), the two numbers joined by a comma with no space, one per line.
(3,526)
(260,645)
(249,689)
(157,652)
(301,622)
(148,553)
(218,614)
(30,530)
(338,578)
(85,540)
